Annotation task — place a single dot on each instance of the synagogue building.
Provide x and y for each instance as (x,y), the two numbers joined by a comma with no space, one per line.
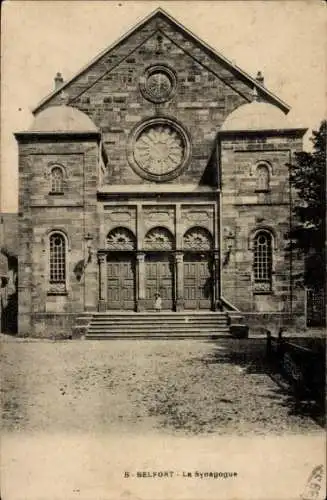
(160,170)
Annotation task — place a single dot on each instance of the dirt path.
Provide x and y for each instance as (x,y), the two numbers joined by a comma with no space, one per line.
(168,386)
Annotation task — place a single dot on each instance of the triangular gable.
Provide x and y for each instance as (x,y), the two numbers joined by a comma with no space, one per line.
(150,27)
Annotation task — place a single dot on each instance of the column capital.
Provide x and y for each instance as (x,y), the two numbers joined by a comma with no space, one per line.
(179,256)
(140,256)
(102,257)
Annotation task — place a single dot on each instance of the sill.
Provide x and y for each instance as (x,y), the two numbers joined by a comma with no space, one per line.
(57,289)
(262,288)
(56,193)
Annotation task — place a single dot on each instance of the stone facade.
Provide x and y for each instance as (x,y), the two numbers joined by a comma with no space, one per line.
(245,210)
(155,194)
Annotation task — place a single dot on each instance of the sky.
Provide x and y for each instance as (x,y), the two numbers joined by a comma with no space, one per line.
(286,40)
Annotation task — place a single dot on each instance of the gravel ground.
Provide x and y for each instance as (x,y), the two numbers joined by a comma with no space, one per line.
(188,387)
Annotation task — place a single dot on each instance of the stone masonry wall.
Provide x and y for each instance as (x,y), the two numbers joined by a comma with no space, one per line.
(109,92)
(244,211)
(74,213)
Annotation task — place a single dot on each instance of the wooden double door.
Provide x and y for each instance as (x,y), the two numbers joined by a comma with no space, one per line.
(198,281)
(196,287)
(121,281)
(159,278)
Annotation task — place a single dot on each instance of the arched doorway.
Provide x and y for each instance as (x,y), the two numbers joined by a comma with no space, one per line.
(159,268)
(198,269)
(121,269)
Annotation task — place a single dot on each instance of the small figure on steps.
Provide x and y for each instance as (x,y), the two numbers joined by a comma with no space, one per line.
(157,303)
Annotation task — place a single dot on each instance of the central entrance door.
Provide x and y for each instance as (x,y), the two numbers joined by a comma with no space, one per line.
(121,281)
(159,278)
(198,283)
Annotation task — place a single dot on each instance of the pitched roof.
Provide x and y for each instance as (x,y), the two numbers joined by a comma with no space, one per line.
(159,12)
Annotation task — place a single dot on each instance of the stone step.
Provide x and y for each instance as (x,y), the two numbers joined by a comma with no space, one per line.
(163,335)
(152,325)
(159,317)
(159,314)
(165,331)
(166,319)
(152,315)
(161,323)
(165,324)
(153,312)
(155,326)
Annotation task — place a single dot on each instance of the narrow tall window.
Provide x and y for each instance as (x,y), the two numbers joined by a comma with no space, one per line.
(57,274)
(263,178)
(262,261)
(57,180)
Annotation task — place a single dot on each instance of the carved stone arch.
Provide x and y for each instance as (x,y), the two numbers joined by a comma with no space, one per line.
(53,165)
(56,175)
(159,238)
(121,238)
(262,177)
(58,229)
(261,163)
(263,228)
(198,238)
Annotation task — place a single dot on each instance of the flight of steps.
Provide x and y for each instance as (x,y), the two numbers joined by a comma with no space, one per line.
(154,325)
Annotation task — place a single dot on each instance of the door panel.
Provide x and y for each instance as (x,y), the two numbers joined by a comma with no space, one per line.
(198,284)
(159,274)
(121,283)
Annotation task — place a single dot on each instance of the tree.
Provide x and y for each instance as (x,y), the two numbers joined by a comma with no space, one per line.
(308,177)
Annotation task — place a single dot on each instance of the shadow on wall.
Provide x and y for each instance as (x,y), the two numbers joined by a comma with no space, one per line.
(9,298)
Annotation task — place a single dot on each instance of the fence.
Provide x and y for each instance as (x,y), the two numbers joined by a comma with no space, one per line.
(315,308)
(302,366)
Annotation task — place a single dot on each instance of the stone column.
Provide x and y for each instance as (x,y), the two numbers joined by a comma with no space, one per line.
(103,282)
(216,284)
(140,281)
(179,281)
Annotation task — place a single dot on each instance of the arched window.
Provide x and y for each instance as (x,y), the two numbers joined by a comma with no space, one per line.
(57,262)
(262,261)
(262,178)
(57,180)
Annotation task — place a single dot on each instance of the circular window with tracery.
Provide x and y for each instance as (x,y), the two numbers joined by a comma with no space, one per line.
(158,83)
(159,149)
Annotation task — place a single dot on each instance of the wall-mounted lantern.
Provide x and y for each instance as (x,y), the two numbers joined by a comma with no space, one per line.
(89,239)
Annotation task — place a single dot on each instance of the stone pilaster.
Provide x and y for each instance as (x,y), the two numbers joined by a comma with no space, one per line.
(103,282)
(179,281)
(140,281)
(216,283)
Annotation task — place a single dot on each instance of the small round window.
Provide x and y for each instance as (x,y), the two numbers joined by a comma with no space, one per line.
(158,84)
